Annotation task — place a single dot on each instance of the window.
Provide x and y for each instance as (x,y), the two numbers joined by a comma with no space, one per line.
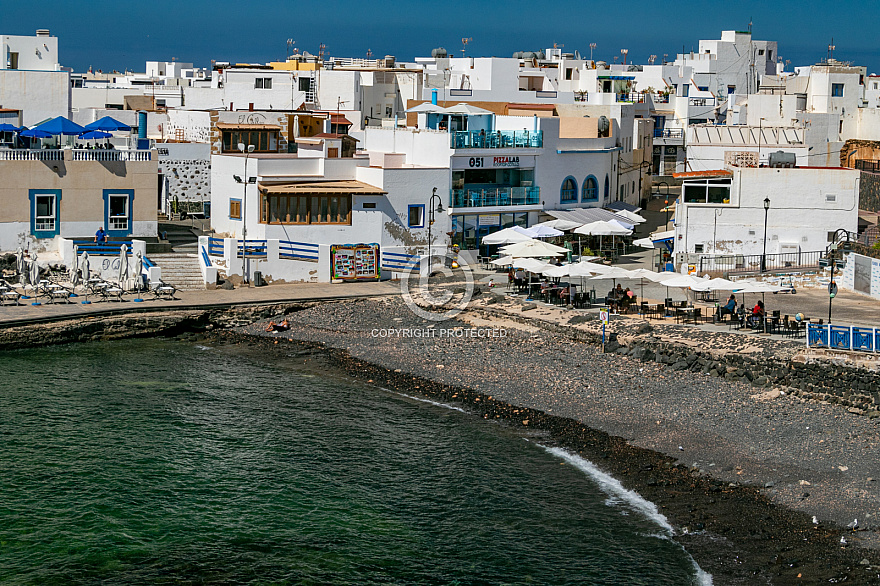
(263,83)
(416,216)
(369,205)
(305,83)
(44,217)
(836,90)
(832,236)
(731,89)
(698,248)
(305,209)
(715,191)
(703,88)
(12,61)
(760,51)
(234,209)
(568,192)
(770,54)
(607,191)
(264,141)
(117,219)
(567,73)
(590,189)
(829,197)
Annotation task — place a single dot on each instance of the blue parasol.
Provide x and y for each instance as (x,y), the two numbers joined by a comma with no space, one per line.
(36,133)
(60,125)
(94,134)
(8,128)
(107,124)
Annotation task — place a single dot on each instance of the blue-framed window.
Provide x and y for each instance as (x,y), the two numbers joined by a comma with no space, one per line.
(234,209)
(45,212)
(836,90)
(607,191)
(415,216)
(118,217)
(569,190)
(590,190)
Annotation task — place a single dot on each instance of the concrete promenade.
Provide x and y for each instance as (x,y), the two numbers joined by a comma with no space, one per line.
(27,313)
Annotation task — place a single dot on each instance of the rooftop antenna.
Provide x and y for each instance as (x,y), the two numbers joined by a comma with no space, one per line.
(592,46)
(369,53)
(464,44)
(651,59)
(321,48)
(624,51)
(290,44)
(665,55)
(831,48)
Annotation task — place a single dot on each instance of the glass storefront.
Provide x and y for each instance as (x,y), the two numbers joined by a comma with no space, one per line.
(469,229)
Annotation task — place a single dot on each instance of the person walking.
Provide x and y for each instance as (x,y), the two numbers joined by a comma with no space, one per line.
(101,236)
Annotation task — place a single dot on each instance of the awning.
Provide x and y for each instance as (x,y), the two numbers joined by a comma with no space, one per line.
(622,205)
(616,77)
(587,215)
(662,236)
(228,126)
(322,187)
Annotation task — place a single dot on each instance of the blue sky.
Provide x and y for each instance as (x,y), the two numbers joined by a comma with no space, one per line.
(120,34)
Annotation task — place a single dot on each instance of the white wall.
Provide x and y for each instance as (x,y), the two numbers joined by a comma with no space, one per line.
(34,53)
(38,94)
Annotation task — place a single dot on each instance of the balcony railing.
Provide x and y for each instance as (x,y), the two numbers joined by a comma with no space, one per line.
(505,196)
(31,155)
(668,133)
(499,139)
(78,155)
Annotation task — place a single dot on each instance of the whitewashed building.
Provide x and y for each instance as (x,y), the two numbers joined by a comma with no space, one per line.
(32,81)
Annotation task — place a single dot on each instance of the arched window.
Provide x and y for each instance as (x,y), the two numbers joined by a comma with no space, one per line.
(590,189)
(607,188)
(569,190)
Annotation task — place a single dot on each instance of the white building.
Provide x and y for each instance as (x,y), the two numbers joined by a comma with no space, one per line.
(723,212)
(31,78)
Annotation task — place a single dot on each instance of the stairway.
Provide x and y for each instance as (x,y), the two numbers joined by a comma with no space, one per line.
(180,269)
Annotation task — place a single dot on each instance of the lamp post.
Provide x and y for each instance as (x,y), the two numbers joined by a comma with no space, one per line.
(430,223)
(247,150)
(764,253)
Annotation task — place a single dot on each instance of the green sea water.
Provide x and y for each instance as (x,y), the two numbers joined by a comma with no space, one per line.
(167,462)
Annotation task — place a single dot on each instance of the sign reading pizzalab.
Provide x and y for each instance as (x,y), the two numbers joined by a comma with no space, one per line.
(495,162)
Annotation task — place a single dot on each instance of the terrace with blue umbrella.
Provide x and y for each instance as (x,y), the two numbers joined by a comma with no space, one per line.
(108,124)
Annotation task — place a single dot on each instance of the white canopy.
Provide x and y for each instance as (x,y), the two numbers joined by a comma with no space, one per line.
(425,108)
(503,261)
(557,271)
(758,288)
(684,281)
(532,265)
(543,231)
(718,284)
(506,236)
(644,243)
(533,248)
(614,273)
(464,108)
(633,217)
(652,276)
(623,225)
(600,228)
(560,224)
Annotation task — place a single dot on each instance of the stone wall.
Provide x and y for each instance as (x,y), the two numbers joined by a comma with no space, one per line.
(869,192)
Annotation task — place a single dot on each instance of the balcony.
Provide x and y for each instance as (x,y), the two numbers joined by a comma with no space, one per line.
(499,139)
(668,133)
(505,196)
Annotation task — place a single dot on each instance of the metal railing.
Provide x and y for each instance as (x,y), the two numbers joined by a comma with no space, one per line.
(668,133)
(499,139)
(298,251)
(399,262)
(102,248)
(843,337)
(205,258)
(31,155)
(869,166)
(215,246)
(751,263)
(505,196)
(252,248)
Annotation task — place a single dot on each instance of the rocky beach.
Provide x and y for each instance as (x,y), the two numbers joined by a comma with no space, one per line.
(759,479)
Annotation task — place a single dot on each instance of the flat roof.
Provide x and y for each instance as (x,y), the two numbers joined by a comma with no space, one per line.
(230,126)
(331,187)
(713,173)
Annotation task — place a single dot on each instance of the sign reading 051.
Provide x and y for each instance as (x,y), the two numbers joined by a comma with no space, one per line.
(475,162)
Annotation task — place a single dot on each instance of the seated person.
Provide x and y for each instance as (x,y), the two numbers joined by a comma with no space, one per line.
(730,307)
(273,327)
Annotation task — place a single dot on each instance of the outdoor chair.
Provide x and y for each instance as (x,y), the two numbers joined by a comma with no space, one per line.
(163,291)
(698,315)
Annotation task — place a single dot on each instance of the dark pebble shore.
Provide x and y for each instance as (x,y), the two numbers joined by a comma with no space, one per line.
(738,477)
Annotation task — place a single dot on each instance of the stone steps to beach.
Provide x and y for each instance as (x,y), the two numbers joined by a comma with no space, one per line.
(180,269)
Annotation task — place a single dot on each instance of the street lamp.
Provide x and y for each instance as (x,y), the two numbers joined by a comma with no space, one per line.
(430,223)
(247,150)
(764,253)
(718,212)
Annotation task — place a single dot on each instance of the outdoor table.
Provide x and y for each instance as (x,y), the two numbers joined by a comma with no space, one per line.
(164,292)
(112,292)
(684,314)
(8,294)
(59,292)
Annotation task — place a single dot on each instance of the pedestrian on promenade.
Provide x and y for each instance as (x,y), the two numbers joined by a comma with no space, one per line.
(101,236)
